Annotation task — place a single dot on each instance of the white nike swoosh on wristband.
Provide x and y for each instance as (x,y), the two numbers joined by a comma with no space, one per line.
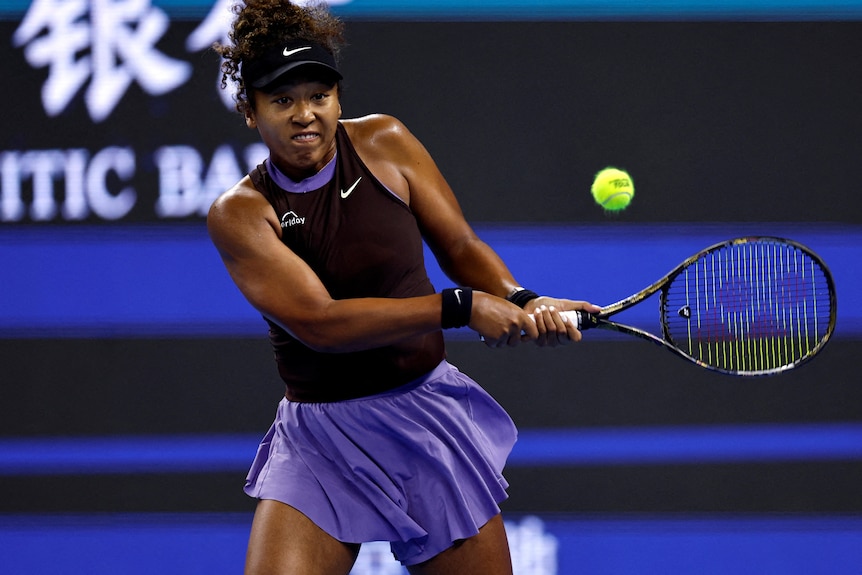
(349,190)
(458,296)
(288,53)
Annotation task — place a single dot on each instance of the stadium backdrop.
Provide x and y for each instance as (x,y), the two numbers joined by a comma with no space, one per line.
(136,380)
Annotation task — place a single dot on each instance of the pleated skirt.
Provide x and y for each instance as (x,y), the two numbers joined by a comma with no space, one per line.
(419,466)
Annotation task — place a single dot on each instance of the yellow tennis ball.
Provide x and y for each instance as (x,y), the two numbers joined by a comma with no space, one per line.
(613,189)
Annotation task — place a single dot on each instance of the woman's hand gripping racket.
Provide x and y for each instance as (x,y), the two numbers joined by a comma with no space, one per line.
(748,306)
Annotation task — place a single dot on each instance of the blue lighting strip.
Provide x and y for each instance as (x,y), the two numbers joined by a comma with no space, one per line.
(601,9)
(561,447)
(690,445)
(541,544)
(542,9)
(130,281)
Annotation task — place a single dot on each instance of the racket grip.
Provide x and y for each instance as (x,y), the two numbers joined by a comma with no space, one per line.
(585,320)
(582,319)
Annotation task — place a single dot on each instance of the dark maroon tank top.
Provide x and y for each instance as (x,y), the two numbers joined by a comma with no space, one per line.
(362,241)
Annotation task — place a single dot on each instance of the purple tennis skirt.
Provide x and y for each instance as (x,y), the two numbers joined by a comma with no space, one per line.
(419,466)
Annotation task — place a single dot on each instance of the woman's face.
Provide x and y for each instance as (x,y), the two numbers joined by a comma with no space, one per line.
(297,120)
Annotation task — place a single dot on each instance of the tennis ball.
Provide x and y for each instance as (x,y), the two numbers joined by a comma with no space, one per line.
(613,189)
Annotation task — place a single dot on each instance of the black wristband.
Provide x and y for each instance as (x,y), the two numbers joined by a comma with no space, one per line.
(457,307)
(521,297)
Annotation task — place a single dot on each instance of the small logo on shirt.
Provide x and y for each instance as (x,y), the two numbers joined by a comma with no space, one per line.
(290,219)
(345,193)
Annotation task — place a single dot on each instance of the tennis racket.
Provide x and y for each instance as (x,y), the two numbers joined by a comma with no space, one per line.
(748,306)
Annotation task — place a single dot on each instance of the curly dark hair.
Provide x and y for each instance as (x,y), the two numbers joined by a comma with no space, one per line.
(261,25)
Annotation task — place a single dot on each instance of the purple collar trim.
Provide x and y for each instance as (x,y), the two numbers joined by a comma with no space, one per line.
(310,184)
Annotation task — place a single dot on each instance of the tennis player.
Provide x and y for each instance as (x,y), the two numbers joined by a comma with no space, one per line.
(378,437)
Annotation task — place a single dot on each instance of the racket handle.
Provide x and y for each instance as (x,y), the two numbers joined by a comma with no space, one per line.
(582,319)
(586,320)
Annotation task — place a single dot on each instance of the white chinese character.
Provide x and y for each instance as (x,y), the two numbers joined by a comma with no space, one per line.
(215,28)
(534,551)
(120,36)
(375,558)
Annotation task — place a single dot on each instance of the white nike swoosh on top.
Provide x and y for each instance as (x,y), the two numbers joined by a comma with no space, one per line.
(349,190)
(288,53)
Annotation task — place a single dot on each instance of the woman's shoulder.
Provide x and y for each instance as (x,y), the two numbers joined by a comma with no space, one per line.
(242,198)
(388,149)
(375,129)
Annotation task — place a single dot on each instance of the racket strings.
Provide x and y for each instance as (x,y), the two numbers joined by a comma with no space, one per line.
(749,307)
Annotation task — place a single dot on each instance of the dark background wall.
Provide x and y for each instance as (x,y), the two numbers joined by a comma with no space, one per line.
(716,121)
(150,387)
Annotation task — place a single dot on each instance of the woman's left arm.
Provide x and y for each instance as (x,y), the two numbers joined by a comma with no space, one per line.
(407,168)
(403,164)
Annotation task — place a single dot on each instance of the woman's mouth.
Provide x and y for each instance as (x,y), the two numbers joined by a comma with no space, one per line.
(305,137)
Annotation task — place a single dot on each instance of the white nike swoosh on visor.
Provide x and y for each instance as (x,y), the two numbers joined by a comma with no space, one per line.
(349,191)
(287,53)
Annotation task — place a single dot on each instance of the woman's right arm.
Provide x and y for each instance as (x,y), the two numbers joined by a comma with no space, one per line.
(281,286)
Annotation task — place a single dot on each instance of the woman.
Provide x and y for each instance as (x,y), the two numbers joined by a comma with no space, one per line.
(378,437)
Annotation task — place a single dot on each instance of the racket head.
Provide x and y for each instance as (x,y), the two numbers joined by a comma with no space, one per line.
(749,306)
